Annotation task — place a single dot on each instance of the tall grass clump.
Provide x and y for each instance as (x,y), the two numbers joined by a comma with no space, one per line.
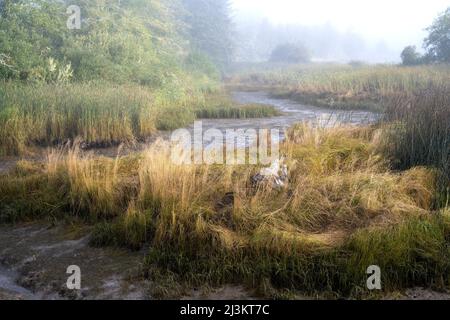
(182,198)
(27,195)
(415,251)
(100,114)
(220,106)
(90,185)
(418,133)
(70,183)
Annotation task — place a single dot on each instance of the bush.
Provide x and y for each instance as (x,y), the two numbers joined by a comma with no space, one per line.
(420,134)
(410,56)
(98,113)
(290,53)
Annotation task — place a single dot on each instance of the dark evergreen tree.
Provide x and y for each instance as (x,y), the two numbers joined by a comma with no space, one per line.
(210,29)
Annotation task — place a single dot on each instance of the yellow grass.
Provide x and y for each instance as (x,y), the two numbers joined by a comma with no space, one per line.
(340,198)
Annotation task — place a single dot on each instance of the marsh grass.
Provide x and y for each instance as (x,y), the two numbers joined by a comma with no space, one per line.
(342,211)
(411,253)
(54,114)
(357,196)
(414,101)
(418,134)
(247,111)
(341,86)
(102,114)
(336,218)
(220,106)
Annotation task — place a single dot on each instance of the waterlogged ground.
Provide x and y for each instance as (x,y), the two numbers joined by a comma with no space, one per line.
(291,113)
(294,112)
(34,260)
(34,257)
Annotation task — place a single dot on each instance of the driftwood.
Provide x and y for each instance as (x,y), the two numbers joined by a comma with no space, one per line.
(276,175)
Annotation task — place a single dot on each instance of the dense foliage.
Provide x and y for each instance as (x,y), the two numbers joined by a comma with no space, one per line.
(437,44)
(410,56)
(142,41)
(30,34)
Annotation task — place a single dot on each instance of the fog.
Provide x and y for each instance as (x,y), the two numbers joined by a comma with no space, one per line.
(344,30)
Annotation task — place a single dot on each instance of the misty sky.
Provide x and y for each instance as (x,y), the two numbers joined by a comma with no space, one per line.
(396,22)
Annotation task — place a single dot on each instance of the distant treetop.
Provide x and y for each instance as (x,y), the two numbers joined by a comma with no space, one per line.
(290,53)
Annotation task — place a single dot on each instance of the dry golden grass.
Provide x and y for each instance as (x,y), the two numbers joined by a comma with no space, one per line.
(338,182)
(92,184)
(342,86)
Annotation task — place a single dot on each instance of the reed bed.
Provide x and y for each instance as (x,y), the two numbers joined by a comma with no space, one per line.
(102,115)
(342,86)
(418,133)
(247,111)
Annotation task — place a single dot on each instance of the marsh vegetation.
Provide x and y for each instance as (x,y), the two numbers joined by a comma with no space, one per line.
(375,194)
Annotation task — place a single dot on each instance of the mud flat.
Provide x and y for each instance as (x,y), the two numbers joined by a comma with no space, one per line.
(34,259)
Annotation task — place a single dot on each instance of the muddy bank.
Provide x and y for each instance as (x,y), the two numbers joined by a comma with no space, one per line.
(424,294)
(34,260)
(7,163)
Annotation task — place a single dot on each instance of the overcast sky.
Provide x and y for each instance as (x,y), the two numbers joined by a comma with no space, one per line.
(397,22)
